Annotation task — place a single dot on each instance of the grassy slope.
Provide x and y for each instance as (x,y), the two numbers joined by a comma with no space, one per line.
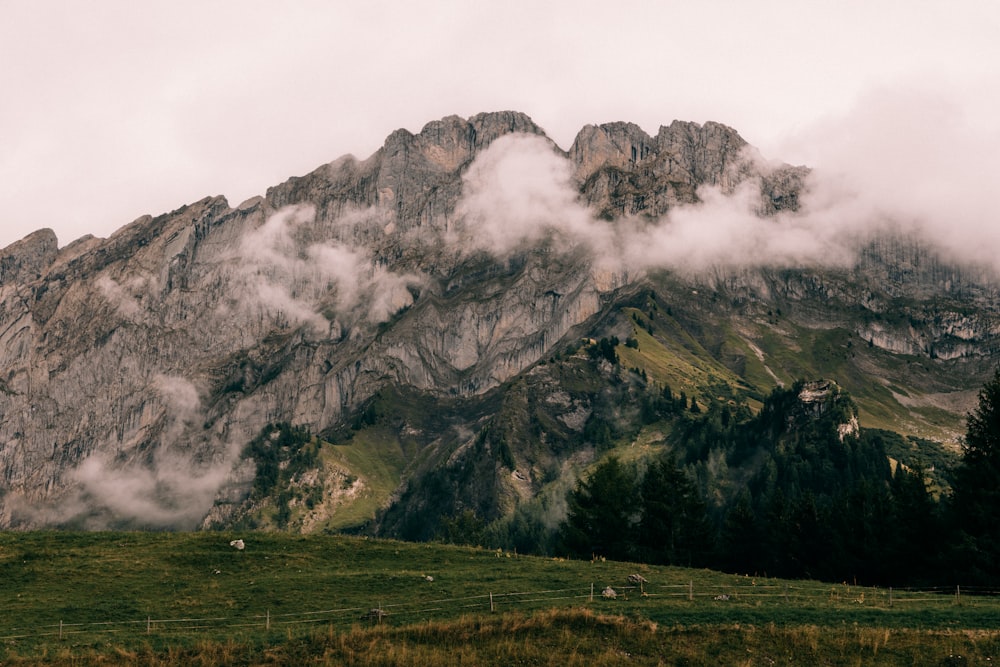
(776,350)
(102,587)
(377,457)
(867,373)
(362,467)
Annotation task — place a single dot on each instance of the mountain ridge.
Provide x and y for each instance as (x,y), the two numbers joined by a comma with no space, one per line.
(136,369)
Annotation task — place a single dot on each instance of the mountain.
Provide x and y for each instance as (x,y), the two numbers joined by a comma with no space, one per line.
(461,322)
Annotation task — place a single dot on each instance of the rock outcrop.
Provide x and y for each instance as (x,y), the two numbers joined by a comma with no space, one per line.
(26,260)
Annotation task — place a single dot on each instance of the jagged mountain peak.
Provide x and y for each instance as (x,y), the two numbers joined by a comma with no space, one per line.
(25,260)
(457,135)
(396,176)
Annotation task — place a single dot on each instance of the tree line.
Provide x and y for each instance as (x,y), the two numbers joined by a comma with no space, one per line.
(790,492)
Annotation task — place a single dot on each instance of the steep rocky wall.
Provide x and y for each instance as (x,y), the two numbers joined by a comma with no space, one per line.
(171,344)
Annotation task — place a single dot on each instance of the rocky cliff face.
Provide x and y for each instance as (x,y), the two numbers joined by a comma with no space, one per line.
(134,369)
(626,172)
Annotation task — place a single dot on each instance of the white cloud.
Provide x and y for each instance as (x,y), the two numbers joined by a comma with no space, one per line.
(724,231)
(913,160)
(122,300)
(169,489)
(902,162)
(518,192)
(170,492)
(282,271)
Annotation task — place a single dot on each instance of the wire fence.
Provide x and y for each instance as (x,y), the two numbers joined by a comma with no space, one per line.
(425,608)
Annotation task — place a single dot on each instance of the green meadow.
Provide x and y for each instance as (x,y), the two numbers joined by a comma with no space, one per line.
(191,598)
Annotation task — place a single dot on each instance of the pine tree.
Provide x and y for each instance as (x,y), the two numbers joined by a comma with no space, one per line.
(976,501)
(741,543)
(602,513)
(916,535)
(674,526)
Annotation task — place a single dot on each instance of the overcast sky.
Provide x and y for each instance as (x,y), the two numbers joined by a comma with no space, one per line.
(114,109)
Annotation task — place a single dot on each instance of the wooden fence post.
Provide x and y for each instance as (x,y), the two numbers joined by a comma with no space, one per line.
(690,590)
(591,591)
(149,624)
(267,620)
(60,629)
(491,601)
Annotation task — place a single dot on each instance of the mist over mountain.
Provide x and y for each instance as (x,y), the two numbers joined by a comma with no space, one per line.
(430,308)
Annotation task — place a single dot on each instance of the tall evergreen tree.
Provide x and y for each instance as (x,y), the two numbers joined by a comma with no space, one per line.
(916,536)
(810,540)
(741,545)
(602,513)
(674,526)
(976,501)
(865,529)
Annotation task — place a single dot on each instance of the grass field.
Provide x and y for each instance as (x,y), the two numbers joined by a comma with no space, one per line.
(183,598)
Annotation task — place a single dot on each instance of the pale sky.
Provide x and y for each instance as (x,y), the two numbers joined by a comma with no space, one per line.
(113,108)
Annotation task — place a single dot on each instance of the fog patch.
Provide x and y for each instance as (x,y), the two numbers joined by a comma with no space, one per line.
(724,230)
(518,192)
(321,284)
(910,160)
(122,300)
(171,491)
(183,405)
(169,488)
(903,163)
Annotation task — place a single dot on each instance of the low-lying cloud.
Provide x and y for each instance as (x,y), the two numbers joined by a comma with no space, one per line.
(171,491)
(320,284)
(724,231)
(121,298)
(168,489)
(902,162)
(908,159)
(520,191)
